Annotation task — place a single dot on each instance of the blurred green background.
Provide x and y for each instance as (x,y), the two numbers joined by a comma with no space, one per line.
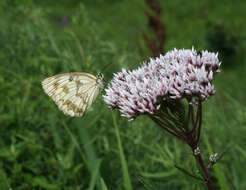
(40,148)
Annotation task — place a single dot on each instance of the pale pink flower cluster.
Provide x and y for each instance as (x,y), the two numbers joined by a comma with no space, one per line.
(176,75)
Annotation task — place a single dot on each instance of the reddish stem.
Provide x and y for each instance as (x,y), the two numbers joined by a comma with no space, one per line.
(188,136)
(168,128)
(205,171)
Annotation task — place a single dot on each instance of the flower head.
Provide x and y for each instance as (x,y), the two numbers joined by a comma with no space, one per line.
(177,75)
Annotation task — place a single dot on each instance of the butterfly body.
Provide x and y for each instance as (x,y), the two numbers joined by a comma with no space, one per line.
(73,92)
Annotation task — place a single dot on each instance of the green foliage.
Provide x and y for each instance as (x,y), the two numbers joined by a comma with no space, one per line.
(227,43)
(40,148)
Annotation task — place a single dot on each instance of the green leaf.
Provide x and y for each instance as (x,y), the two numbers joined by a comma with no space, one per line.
(95,174)
(3,180)
(42,182)
(188,173)
(103,185)
(126,176)
(158,175)
(145,183)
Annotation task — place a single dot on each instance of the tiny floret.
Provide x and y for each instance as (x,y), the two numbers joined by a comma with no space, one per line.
(176,75)
(213,157)
(197,151)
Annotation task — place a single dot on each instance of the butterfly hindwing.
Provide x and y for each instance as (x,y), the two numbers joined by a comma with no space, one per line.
(74,92)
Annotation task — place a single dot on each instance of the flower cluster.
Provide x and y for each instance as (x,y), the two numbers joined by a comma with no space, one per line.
(176,75)
(213,157)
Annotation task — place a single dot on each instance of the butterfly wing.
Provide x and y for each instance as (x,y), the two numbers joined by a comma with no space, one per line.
(74,92)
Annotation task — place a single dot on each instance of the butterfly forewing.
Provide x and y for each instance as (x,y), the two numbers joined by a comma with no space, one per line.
(74,92)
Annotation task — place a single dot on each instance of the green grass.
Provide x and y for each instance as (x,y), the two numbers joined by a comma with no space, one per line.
(40,148)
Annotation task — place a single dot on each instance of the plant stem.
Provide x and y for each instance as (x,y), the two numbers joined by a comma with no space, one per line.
(193,142)
(185,134)
(205,171)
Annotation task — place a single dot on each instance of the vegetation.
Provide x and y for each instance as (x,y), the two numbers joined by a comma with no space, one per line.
(41,148)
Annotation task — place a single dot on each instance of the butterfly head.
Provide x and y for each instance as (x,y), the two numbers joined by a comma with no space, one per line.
(100,80)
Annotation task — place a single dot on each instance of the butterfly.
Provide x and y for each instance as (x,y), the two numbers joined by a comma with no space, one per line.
(75,92)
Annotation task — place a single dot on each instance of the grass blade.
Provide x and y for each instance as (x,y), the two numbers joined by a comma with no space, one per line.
(95,174)
(126,176)
(103,185)
(188,173)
